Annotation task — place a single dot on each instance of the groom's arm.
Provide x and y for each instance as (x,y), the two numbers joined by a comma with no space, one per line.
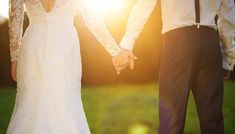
(138,17)
(226,27)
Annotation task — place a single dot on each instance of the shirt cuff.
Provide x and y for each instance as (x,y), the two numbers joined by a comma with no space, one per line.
(127,43)
(228,64)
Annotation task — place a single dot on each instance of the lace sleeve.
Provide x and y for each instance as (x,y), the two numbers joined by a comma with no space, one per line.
(16,16)
(98,28)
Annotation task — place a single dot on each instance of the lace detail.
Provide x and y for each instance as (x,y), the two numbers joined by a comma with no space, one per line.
(48,99)
(16,16)
(35,7)
(56,4)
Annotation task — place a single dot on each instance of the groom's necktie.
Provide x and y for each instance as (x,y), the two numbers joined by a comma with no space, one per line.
(197,12)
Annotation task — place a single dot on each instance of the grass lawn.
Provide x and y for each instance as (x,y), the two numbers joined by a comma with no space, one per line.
(127,109)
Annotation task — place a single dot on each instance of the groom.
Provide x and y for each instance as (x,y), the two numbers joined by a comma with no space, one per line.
(191,58)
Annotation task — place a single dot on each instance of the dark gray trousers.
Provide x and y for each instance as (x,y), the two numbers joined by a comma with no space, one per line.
(191,59)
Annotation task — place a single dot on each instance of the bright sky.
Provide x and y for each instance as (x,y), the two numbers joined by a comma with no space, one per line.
(4,8)
(100,6)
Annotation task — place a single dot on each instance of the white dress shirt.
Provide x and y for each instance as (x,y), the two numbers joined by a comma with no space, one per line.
(181,13)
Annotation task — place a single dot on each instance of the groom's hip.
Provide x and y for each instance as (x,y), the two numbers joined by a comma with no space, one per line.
(190,44)
(190,55)
(191,59)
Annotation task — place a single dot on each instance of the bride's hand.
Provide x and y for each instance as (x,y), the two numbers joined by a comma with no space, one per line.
(14,70)
(124,59)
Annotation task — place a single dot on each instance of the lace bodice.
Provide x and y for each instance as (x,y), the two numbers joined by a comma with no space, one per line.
(71,7)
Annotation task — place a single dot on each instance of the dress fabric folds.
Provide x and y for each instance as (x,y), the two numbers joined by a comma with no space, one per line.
(48,99)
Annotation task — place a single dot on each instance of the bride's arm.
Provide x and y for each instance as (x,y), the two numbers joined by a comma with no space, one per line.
(16,16)
(98,28)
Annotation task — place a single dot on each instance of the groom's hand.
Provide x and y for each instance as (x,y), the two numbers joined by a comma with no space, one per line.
(227,74)
(124,59)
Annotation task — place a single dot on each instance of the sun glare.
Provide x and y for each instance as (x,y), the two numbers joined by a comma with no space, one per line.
(138,129)
(4,8)
(98,6)
(105,6)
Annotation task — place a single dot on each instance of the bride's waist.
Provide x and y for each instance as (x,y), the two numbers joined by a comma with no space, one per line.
(55,19)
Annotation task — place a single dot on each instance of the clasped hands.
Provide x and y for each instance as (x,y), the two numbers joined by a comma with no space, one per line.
(124,60)
(127,59)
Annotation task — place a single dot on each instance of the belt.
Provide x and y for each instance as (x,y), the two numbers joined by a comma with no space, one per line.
(193,28)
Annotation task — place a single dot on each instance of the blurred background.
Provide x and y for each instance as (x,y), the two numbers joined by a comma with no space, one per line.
(125,104)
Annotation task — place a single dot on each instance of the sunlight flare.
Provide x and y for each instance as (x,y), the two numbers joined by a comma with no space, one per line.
(98,6)
(138,129)
(105,6)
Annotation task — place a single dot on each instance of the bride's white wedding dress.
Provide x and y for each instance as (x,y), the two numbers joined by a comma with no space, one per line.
(48,99)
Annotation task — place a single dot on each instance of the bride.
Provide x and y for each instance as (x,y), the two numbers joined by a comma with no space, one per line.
(47,64)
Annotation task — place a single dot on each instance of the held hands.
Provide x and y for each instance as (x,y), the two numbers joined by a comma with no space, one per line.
(14,70)
(123,60)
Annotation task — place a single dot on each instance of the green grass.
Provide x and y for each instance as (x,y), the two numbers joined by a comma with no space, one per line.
(116,109)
